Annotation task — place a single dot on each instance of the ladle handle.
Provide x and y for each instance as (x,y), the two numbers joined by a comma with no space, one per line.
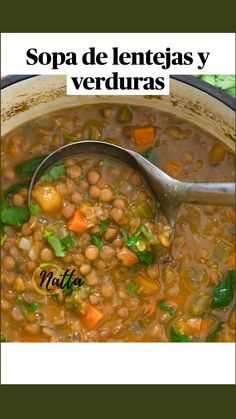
(210,193)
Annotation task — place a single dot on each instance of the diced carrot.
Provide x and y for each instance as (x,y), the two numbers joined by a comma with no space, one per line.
(144,135)
(91,316)
(172,168)
(231,260)
(146,285)
(78,222)
(127,257)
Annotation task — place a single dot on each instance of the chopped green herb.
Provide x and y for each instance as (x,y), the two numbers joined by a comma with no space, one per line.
(125,115)
(3,238)
(68,242)
(71,304)
(30,308)
(67,289)
(70,137)
(223,293)
(176,336)
(145,256)
(148,235)
(33,307)
(148,153)
(59,245)
(157,203)
(54,240)
(132,241)
(132,287)
(55,173)
(4,203)
(14,215)
(19,300)
(28,168)
(104,225)
(27,308)
(167,307)
(124,234)
(34,209)
(97,241)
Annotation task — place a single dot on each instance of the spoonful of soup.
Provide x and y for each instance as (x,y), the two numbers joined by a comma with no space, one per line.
(170,192)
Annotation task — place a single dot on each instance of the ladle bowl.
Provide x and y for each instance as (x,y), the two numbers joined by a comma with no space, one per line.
(170,192)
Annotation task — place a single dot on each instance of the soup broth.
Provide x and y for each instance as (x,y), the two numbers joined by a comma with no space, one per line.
(97,217)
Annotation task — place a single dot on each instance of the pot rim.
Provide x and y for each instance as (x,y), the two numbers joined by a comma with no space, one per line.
(207,88)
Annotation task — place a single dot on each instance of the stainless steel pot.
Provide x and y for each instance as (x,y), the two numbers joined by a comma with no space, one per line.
(26,97)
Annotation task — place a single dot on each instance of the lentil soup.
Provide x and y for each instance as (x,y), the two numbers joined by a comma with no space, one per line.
(96,217)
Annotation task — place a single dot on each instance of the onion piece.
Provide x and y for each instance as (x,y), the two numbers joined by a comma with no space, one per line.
(24,243)
(32,254)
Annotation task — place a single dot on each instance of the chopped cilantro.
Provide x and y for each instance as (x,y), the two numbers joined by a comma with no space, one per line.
(97,241)
(55,173)
(132,287)
(34,209)
(104,225)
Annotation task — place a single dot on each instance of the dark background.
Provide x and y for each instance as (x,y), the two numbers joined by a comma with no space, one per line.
(117,16)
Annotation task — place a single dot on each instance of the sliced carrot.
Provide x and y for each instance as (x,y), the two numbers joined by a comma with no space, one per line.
(91,316)
(146,285)
(127,257)
(172,168)
(231,260)
(78,222)
(144,135)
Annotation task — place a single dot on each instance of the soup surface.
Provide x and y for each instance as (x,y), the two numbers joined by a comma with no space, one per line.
(94,220)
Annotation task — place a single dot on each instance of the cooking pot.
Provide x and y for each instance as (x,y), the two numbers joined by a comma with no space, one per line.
(27,97)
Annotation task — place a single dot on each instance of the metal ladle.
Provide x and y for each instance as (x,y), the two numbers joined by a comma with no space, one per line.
(170,192)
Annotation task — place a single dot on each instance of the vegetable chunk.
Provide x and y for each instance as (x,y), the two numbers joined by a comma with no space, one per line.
(146,285)
(91,316)
(144,135)
(78,223)
(48,198)
(127,257)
